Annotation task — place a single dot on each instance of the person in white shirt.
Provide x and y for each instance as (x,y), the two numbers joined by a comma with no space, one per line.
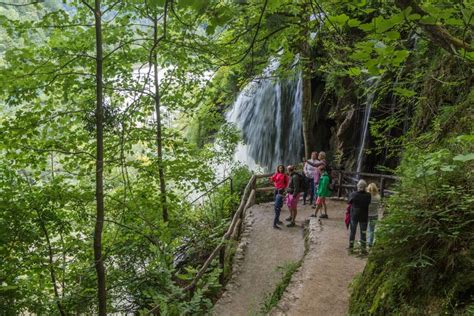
(309,171)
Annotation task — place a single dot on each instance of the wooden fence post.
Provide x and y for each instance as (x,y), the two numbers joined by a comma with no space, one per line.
(222,265)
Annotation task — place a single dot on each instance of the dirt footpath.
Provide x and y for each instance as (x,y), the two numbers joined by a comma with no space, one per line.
(267,249)
(320,286)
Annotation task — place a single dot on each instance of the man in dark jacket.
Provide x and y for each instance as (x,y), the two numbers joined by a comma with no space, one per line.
(293,190)
(359,201)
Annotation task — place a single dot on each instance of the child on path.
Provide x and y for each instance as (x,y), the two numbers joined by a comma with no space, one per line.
(323,192)
(280,180)
(294,189)
(374,207)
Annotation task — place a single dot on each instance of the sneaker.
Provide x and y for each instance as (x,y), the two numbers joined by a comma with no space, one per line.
(314,206)
(324,216)
(280,222)
(289,219)
(292,224)
(313,215)
(276,227)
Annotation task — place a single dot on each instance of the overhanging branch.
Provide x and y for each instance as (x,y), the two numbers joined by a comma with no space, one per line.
(437,33)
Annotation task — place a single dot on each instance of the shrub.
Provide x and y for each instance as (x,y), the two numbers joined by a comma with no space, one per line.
(422,261)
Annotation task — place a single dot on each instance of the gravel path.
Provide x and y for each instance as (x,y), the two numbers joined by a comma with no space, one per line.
(319,287)
(268,249)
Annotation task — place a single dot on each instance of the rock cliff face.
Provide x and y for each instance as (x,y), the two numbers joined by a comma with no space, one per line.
(269,115)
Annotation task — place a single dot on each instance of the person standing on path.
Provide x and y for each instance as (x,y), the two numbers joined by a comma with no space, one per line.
(294,189)
(360,201)
(309,171)
(280,180)
(323,193)
(317,173)
(374,208)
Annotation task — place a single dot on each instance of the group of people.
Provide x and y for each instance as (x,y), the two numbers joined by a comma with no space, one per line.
(315,186)
(290,185)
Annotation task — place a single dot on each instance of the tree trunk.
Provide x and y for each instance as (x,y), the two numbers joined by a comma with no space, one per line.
(99,191)
(159,141)
(306,113)
(51,265)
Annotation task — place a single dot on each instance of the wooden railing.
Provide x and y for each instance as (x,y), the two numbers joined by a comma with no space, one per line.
(346,181)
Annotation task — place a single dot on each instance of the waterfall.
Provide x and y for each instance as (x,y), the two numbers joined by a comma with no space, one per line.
(373,83)
(268,113)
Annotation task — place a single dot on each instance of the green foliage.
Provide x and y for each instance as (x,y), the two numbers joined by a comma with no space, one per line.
(422,260)
(47,143)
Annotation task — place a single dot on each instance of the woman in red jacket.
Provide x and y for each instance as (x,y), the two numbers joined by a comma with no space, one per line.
(280,180)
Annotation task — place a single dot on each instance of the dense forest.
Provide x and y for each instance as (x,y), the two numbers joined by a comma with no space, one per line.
(114,120)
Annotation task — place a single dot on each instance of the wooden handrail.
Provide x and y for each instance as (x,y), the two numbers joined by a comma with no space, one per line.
(230,230)
(366,174)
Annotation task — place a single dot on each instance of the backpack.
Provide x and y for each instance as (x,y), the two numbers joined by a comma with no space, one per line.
(304,183)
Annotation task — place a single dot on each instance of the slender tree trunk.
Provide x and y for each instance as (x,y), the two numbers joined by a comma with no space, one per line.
(307,111)
(306,116)
(51,265)
(99,193)
(159,140)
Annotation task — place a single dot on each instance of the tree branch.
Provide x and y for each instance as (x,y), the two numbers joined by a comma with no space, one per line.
(437,33)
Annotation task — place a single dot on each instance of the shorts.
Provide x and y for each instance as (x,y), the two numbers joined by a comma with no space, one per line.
(320,200)
(292,200)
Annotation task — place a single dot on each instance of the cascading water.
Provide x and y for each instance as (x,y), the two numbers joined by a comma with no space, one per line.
(268,113)
(373,83)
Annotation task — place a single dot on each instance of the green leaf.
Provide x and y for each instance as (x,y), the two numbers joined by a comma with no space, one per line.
(339,19)
(354,22)
(393,35)
(354,71)
(404,92)
(366,27)
(464,158)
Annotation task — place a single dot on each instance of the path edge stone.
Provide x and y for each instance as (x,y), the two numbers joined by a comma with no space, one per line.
(312,227)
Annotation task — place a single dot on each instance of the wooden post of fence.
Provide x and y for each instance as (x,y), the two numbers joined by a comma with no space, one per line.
(382,186)
(339,188)
(222,265)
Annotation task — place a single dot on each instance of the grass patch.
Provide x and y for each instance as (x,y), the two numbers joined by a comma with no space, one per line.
(273,299)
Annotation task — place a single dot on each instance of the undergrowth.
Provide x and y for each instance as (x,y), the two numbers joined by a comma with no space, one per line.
(422,262)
